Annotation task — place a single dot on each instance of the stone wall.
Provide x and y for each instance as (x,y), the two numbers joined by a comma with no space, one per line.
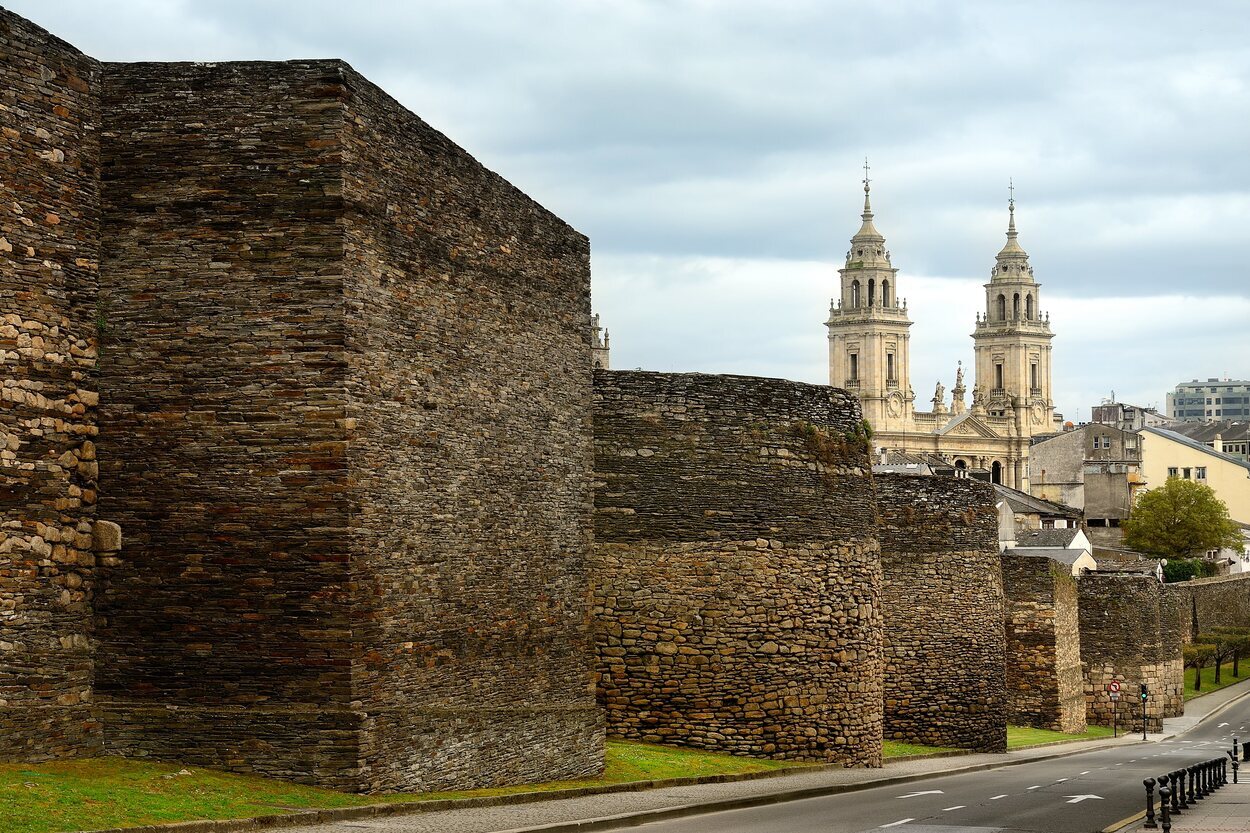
(736,572)
(468,351)
(1209,603)
(49,262)
(346,375)
(1045,688)
(1130,632)
(942,593)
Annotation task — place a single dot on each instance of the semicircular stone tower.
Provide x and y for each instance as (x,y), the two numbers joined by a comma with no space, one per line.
(736,567)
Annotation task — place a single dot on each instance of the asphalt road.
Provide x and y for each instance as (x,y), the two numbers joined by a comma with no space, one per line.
(1078,794)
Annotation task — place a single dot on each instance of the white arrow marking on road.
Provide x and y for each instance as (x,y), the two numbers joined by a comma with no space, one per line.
(1077,799)
(996,797)
(896,823)
(956,807)
(1221,726)
(926,792)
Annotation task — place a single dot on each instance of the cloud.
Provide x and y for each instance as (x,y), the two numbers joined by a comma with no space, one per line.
(712,152)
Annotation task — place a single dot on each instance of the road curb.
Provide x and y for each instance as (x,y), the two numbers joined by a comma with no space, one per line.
(312,817)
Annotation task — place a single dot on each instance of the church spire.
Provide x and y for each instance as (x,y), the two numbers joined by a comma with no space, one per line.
(1012,260)
(867,231)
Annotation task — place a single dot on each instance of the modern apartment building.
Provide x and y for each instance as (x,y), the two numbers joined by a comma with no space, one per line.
(1213,399)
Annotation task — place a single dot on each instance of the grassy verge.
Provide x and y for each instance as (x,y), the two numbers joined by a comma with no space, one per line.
(898,749)
(115,792)
(1208,678)
(1022,737)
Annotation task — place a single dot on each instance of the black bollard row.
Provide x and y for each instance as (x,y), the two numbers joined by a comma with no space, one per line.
(1182,787)
(1150,799)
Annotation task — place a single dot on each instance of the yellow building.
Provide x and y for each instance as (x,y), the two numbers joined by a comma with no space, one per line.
(1169,454)
(869,354)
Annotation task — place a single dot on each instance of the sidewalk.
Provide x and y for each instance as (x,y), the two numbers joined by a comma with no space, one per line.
(1200,708)
(1228,808)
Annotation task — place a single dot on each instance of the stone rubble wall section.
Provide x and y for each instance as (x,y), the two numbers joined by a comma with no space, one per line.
(736,573)
(1045,687)
(469,456)
(49,268)
(1210,603)
(1131,633)
(942,593)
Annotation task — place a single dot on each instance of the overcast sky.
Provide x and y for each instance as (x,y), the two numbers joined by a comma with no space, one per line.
(712,151)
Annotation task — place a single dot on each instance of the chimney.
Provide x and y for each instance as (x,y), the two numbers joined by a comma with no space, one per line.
(1218,444)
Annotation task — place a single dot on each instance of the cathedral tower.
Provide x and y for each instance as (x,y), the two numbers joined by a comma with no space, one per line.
(868,330)
(1012,343)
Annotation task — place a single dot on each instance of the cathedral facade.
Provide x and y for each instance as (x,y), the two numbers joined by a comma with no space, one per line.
(869,353)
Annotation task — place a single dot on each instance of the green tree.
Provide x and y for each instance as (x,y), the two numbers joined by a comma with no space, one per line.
(1181,518)
(1196,657)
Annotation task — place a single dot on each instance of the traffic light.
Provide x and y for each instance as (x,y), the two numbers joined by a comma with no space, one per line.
(1144,692)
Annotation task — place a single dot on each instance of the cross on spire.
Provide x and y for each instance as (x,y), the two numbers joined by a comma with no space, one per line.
(1011,191)
(866,179)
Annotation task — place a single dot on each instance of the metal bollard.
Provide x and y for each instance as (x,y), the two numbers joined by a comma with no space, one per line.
(1236,765)
(1192,770)
(1164,815)
(1235,753)
(1150,800)
(1178,791)
(1206,778)
(1223,771)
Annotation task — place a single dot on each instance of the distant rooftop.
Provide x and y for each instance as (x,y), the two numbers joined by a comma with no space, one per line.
(1046,538)
(1027,504)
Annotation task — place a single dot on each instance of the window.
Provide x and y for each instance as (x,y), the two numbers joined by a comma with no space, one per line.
(885,293)
(1002,309)
(1033,378)
(998,375)
(1172,472)
(1187,473)
(872,292)
(854,293)
(1028,309)
(1200,473)
(854,367)
(889,367)
(1015,306)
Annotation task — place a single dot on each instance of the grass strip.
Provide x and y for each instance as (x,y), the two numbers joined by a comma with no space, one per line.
(1208,678)
(1022,737)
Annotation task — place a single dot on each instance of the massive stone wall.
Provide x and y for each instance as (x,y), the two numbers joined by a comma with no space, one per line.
(49,261)
(346,374)
(942,593)
(1131,632)
(1045,688)
(1210,603)
(468,350)
(736,571)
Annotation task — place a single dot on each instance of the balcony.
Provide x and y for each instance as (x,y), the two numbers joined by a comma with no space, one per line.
(851,384)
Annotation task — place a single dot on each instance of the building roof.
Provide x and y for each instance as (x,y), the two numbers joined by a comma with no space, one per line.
(1027,504)
(1060,554)
(1204,432)
(1047,538)
(1197,446)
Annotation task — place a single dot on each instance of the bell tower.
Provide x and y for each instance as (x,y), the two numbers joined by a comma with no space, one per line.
(869,330)
(1012,341)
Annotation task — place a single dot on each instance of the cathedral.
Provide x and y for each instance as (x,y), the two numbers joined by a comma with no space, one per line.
(869,347)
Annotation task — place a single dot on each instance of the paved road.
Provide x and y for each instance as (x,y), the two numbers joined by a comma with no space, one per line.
(1078,794)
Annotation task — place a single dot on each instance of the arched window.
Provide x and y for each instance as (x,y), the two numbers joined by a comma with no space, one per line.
(1002,307)
(854,293)
(872,292)
(885,293)
(996,472)
(1015,306)
(1028,307)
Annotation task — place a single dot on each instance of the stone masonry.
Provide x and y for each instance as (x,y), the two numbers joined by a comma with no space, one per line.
(49,260)
(1130,632)
(942,593)
(1044,684)
(344,401)
(736,572)
(1210,603)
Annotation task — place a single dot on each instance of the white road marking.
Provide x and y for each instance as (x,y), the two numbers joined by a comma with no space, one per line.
(925,792)
(1060,780)
(1036,787)
(895,823)
(1221,726)
(956,807)
(996,797)
(1086,772)
(1077,799)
